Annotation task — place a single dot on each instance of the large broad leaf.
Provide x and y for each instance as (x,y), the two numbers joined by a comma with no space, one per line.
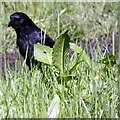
(60,52)
(73,68)
(53,109)
(43,53)
(83,55)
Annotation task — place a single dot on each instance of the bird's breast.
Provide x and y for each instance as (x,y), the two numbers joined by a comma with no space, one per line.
(23,45)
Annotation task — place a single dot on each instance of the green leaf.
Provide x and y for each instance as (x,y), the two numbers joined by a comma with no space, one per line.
(43,53)
(73,68)
(109,60)
(83,55)
(60,52)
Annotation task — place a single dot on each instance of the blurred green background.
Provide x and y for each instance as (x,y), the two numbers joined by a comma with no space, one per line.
(82,20)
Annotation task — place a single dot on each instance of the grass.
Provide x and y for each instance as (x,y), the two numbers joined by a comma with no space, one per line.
(92,93)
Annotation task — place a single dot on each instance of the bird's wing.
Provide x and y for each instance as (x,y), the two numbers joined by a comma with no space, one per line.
(41,37)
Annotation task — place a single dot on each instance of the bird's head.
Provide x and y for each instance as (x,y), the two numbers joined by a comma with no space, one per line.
(18,20)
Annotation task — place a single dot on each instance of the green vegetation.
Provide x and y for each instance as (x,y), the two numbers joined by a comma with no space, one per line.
(74,87)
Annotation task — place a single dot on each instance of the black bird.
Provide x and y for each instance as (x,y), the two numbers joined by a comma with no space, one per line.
(28,34)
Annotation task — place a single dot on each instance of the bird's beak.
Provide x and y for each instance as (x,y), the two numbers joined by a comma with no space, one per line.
(10,24)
